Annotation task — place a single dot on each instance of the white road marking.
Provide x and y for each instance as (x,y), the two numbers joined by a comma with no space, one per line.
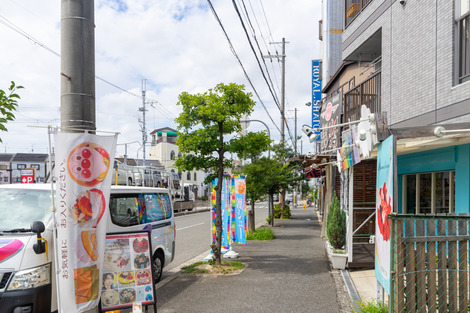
(190,226)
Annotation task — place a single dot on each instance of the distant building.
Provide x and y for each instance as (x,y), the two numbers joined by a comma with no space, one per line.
(12,164)
(164,149)
(5,168)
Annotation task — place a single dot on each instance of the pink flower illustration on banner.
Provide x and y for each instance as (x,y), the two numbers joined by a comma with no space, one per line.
(383,211)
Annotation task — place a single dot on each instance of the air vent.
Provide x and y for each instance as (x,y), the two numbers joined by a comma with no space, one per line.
(4,277)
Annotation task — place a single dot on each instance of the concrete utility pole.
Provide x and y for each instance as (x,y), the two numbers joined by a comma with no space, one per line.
(77,81)
(283,82)
(143,109)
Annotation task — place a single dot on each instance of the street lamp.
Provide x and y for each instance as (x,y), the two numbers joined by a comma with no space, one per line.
(267,128)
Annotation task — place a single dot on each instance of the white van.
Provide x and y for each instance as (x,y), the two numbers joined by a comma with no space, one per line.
(27,279)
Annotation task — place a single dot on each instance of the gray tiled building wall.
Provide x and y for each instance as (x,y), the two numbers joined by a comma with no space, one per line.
(418,60)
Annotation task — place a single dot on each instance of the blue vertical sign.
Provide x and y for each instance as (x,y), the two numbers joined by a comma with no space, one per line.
(316,96)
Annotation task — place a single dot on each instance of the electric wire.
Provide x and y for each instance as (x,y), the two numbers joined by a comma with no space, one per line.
(270,83)
(256,57)
(18,30)
(240,62)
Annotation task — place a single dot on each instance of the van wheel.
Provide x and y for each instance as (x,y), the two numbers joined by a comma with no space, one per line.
(157,266)
(130,182)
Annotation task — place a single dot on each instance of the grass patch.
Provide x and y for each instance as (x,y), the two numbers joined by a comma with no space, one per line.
(372,307)
(227,267)
(263,233)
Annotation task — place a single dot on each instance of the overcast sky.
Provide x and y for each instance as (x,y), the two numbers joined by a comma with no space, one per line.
(175,45)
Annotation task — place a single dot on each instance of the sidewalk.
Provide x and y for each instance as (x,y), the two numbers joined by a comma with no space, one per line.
(288,274)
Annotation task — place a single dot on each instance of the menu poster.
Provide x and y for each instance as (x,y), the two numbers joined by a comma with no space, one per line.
(127,271)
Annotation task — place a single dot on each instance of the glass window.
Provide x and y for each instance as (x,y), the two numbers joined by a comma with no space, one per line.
(36,166)
(158,207)
(21,166)
(188,176)
(129,210)
(172,155)
(19,208)
(125,210)
(5,179)
(195,176)
(429,193)
(463,34)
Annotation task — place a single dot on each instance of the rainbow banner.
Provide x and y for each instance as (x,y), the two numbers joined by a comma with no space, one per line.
(225,209)
(239,224)
(348,155)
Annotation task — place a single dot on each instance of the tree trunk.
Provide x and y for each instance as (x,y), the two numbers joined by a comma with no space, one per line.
(251,217)
(217,247)
(281,202)
(271,210)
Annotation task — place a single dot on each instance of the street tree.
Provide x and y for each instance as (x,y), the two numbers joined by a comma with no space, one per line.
(8,104)
(205,127)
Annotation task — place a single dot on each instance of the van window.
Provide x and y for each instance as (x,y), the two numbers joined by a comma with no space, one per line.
(133,209)
(158,207)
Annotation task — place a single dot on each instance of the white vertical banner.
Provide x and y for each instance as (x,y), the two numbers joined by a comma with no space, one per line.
(83,168)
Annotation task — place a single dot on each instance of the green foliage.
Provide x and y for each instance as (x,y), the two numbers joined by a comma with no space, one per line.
(336,224)
(268,219)
(263,233)
(277,211)
(203,198)
(8,104)
(372,307)
(205,123)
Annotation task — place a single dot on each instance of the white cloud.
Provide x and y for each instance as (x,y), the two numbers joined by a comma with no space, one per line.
(175,45)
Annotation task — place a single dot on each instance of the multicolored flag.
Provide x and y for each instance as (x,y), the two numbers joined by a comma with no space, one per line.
(225,209)
(239,223)
(83,182)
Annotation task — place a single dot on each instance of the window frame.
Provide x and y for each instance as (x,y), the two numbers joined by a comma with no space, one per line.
(20,166)
(463,44)
(417,200)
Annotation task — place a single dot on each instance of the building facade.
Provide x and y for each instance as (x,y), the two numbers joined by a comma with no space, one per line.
(165,149)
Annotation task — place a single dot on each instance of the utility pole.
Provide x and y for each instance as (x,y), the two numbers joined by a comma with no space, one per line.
(295,130)
(77,77)
(144,132)
(283,81)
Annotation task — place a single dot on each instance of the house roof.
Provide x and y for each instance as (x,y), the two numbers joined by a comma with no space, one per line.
(336,75)
(6,157)
(29,157)
(164,129)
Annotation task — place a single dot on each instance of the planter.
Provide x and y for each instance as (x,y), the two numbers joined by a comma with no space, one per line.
(338,260)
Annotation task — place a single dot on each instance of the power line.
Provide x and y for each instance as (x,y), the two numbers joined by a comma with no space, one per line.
(17,29)
(240,62)
(256,57)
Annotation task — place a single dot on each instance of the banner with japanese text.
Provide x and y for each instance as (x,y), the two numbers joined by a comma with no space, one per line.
(83,181)
(239,223)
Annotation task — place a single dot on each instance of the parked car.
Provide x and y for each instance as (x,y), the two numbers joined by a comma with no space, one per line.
(125,175)
(289,199)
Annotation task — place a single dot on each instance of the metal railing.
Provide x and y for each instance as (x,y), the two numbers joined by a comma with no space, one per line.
(368,92)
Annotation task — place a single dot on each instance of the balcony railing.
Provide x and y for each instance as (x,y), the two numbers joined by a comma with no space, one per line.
(367,93)
(353,7)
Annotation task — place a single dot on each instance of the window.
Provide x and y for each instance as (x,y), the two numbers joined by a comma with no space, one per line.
(5,179)
(179,154)
(21,166)
(172,155)
(188,176)
(463,34)
(36,166)
(135,209)
(429,193)
(195,176)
